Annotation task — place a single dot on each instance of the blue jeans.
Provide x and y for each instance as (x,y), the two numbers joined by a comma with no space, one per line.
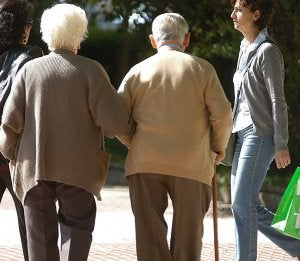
(252,158)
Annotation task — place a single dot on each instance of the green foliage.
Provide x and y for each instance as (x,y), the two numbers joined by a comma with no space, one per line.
(116,51)
(223,175)
(213,38)
(276,183)
(118,151)
(104,47)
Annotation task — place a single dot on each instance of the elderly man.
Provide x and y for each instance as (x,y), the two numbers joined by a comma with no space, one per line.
(183,123)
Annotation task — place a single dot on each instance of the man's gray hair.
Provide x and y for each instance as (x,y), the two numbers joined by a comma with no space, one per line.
(169,26)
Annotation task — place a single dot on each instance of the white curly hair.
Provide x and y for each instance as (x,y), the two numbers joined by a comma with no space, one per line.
(64,26)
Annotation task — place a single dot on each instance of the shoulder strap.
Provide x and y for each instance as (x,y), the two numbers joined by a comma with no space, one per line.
(244,72)
(249,63)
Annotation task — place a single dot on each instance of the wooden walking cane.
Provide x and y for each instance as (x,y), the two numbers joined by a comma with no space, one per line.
(215,215)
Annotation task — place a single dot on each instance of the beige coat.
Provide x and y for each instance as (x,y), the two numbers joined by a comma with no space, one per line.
(54,119)
(182,116)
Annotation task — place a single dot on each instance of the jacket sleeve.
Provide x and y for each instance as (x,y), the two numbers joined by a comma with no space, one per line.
(14,61)
(220,113)
(126,98)
(13,118)
(272,67)
(107,108)
(30,54)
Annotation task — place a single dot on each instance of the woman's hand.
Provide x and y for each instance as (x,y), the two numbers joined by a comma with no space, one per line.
(282,158)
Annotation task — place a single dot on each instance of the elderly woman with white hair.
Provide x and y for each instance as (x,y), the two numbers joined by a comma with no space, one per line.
(52,131)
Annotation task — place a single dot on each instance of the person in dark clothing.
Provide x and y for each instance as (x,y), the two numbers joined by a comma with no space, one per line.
(15,26)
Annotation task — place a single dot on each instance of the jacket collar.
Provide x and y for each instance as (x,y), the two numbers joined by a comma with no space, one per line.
(62,51)
(262,36)
(169,47)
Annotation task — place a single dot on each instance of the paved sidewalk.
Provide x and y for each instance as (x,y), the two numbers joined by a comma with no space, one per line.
(113,238)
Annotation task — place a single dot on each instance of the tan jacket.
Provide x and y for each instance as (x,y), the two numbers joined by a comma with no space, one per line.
(54,119)
(182,116)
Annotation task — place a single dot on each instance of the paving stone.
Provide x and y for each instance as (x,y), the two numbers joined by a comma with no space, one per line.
(113,238)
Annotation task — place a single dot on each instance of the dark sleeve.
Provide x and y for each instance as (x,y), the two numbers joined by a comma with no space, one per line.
(30,54)
(14,61)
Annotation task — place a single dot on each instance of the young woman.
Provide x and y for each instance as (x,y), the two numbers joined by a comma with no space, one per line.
(261,125)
